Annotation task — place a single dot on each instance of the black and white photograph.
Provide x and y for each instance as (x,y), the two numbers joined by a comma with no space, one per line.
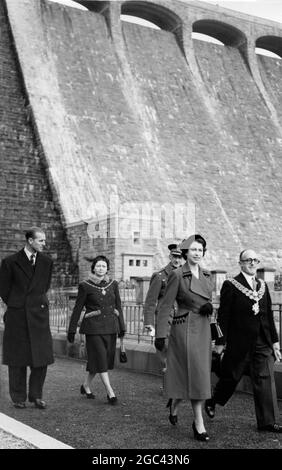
(140,231)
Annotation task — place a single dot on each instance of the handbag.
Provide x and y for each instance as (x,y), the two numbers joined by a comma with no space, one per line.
(216,332)
(122,353)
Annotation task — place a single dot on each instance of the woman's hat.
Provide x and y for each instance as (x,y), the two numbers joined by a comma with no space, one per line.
(184,245)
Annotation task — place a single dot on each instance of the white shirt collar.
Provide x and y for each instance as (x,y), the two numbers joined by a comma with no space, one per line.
(28,253)
(249,278)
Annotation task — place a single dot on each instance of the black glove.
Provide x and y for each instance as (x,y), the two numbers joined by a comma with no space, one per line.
(159,343)
(206,309)
(71,337)
(121,334)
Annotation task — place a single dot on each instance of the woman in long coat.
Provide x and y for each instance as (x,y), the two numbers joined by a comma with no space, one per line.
(102,322)
(188,373)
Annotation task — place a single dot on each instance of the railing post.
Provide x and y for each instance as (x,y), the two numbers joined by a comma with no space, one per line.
(218,276)
(267,275)
(138,322)
(142,288)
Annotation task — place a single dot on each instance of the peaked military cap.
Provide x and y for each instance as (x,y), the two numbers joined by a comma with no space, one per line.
(174,249)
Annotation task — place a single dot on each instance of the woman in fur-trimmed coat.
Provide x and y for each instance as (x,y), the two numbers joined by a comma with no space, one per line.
(102,322)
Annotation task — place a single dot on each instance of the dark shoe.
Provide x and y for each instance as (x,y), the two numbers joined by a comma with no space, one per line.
(172,418)
(210,408)
(38,403)
(271,428)
(203,436)
(83,392)
(19,404)
(112,400)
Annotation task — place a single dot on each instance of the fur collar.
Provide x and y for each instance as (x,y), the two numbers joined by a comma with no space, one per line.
(99,280)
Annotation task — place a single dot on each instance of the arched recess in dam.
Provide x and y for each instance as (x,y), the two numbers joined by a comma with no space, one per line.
(157,14)
(223,32)
(272,44)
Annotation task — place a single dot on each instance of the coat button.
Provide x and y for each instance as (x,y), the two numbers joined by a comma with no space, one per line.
(42,306)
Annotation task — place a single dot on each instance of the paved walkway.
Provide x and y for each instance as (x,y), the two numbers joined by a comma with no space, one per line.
(139,421)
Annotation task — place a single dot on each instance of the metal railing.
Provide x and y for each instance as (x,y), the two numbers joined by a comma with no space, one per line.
(60,312)
(127,291)
(61,306)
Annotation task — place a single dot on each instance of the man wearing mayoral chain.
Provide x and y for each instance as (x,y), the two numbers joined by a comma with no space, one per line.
(251,343)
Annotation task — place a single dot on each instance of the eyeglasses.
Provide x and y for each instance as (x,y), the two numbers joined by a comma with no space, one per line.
(176,256)
(251,260)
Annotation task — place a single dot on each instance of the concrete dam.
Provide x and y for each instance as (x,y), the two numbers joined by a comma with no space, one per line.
(93,107)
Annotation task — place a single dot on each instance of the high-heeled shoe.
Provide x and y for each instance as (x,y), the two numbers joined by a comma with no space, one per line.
(112,400)
(88,395)
(200,436)
(172,418)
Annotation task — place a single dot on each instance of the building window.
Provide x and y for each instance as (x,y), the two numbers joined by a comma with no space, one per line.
(145,263)
(131,262)
(136,238)
(138,262)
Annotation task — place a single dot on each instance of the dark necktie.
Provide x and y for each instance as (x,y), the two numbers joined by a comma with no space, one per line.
(32,260)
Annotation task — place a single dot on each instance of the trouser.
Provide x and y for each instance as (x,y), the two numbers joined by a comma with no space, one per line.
(17,383)
(260,365)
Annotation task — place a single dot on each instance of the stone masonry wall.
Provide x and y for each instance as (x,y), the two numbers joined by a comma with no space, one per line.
(85,246)
(25,196)
(118,109)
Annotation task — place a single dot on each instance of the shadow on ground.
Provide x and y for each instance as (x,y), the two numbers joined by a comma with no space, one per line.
(139,421)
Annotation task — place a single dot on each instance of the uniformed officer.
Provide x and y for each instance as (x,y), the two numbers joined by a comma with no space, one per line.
(156,291)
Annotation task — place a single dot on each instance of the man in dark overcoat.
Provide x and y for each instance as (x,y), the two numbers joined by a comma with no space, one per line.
(250,337)
(156,292)
(24,281)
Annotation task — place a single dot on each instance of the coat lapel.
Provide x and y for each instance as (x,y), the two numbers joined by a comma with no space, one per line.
(197,286)
(241,278)
(258,284)
(23,262)
(168,268)
(200,286)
